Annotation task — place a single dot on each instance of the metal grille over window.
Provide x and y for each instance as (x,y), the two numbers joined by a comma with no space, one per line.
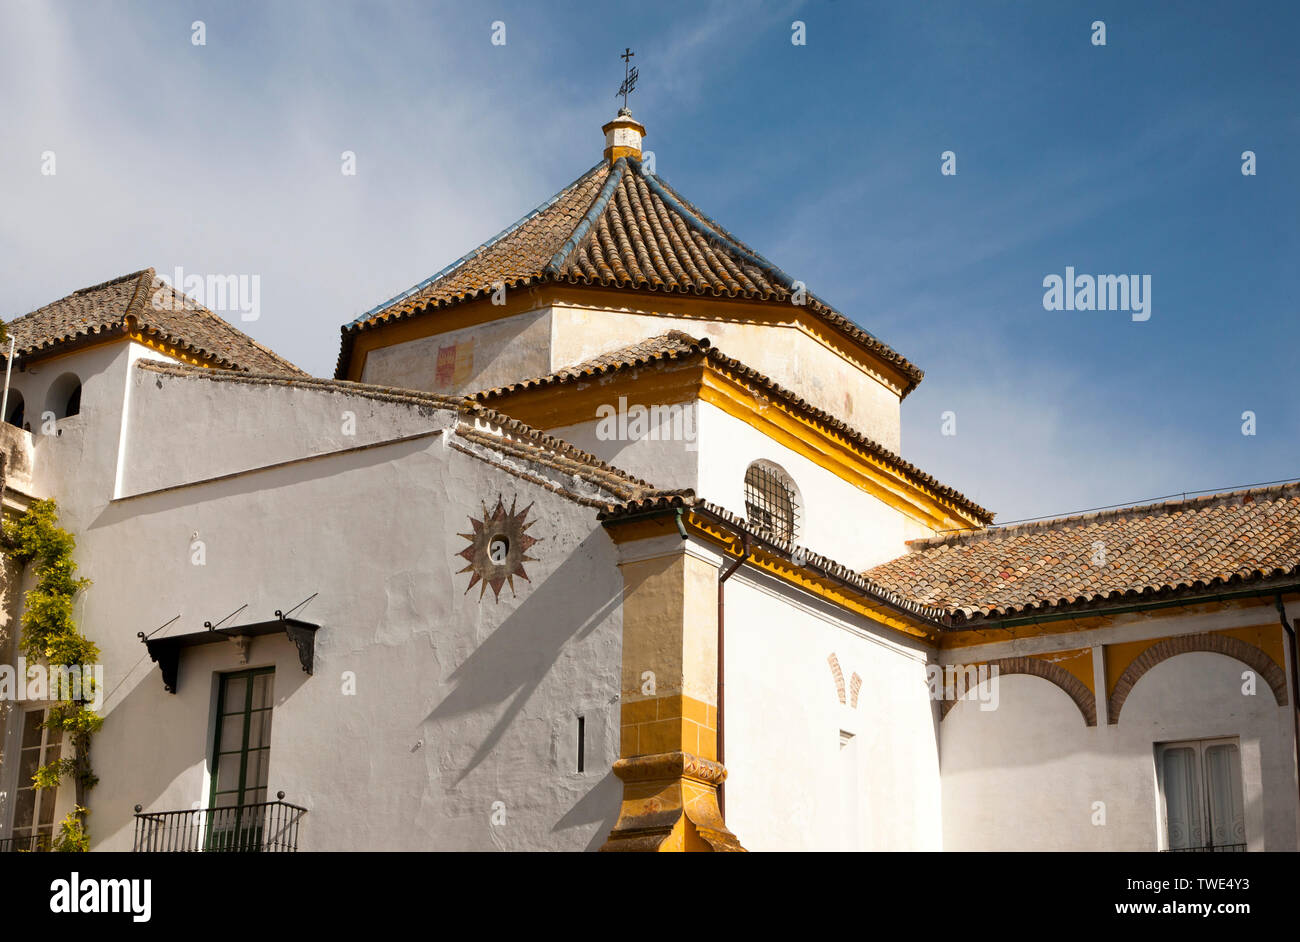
(770,501)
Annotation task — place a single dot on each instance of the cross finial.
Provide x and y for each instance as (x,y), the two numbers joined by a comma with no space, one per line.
(629,76)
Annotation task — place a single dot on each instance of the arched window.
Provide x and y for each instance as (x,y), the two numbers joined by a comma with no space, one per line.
(771,500)
(64,397)
(17,409)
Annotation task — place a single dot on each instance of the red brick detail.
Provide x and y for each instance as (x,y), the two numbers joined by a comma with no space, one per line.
(855,685)
(1235,648)
(1073,687)
(838,674)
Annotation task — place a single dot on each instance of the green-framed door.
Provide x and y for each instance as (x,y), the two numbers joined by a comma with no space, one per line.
(241,759)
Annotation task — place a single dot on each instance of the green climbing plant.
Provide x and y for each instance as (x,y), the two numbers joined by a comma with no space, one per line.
(50,634)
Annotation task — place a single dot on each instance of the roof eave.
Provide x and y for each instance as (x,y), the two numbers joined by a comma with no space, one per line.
(1117,602)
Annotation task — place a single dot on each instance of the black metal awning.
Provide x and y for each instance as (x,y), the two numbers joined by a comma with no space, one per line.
(166,652)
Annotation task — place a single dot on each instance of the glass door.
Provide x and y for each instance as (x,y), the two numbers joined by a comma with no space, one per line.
(34,807)
(241,760)
(1200,786)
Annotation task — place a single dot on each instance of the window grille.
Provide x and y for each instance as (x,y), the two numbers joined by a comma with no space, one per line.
(770,502)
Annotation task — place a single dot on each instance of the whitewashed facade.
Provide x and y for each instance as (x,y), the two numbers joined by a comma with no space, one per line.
(443,714)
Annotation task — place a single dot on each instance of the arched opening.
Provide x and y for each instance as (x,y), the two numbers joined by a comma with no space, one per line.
(16,410)
(772,500)
(64,397)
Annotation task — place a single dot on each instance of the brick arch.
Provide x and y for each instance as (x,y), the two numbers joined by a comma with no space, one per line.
(1234,648)
(1072,686)
(838,675)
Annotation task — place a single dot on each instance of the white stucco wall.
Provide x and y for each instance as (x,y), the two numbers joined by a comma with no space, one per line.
(783,722)
(490,355)
(251,426)
(459,703)
(666,461)
(73,459)
(837,519)
(1026,775)
(789,356)
(539,342)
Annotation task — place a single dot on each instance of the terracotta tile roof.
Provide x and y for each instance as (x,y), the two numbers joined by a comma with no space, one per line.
(1168,549)
(127,303)
(661,501)
(477,424)
(615,226)
(676,345)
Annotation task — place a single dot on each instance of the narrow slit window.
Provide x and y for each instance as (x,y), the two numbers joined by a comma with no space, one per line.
(582,743)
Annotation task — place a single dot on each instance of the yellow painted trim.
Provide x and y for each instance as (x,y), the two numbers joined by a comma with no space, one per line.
(1077,662)
(1090,622)
(1267,637)
(804,578)
(535,297)
(168,350)
(729,310)
(970,637)
(21,361)
(833,451)
(644,528)
(668,739)
(560,406)
(673,723)
(552,407)
(135,336)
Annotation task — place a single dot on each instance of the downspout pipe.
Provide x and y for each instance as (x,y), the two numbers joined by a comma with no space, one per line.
(725,573)
(1289,628)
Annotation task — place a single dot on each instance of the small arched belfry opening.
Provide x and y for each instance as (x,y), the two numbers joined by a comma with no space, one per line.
(64,397)
(16,408)
(772,500)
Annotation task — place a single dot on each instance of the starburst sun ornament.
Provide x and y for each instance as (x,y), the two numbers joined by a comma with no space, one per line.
(498,548)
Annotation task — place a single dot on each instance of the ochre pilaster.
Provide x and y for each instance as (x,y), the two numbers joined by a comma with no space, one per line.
(670,803)
(669,716)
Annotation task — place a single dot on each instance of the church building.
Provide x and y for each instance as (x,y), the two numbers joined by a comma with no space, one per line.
(602,538)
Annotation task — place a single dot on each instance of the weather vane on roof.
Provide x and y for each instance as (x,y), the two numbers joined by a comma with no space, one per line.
(629,76)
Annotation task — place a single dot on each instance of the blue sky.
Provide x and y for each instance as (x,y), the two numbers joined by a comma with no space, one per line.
(1122,159)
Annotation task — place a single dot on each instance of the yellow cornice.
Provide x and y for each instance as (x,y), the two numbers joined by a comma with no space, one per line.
(632,529)
(522,300)
(1086,621)
(614,153)
(783,569)
(729,310)
(673,381)
(68,348)
(168,350)
(117,335)
(571,403)
(831,449)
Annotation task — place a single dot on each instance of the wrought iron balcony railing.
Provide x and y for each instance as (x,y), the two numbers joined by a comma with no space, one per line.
(34,843)
(264,827)
(1209,849)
